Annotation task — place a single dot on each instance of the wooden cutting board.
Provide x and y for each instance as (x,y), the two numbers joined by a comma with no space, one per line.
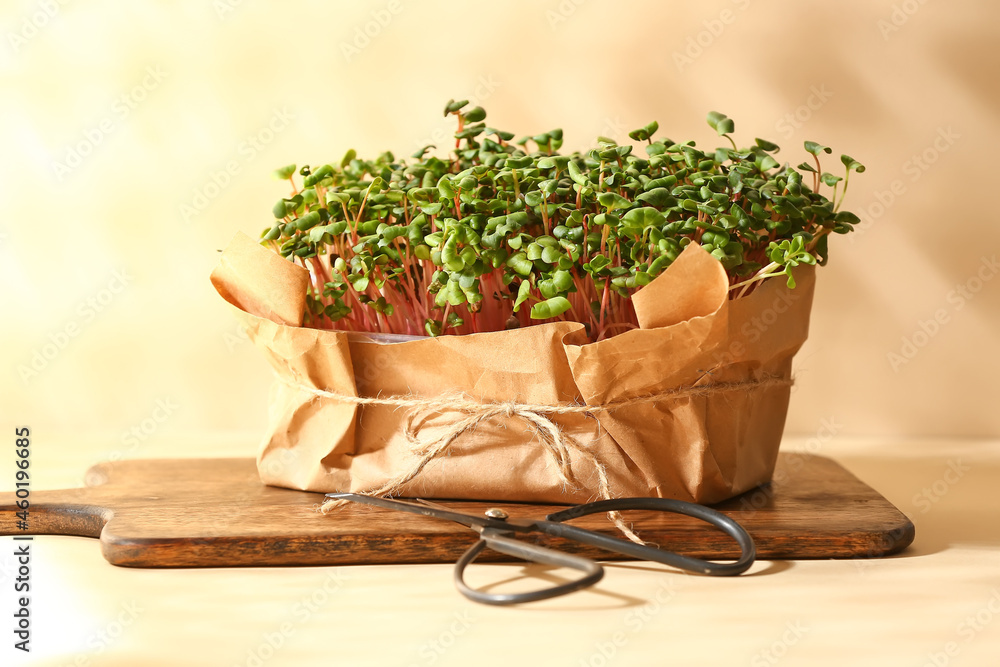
(216,512)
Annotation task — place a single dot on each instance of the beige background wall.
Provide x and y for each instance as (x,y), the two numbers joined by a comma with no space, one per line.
(138,137)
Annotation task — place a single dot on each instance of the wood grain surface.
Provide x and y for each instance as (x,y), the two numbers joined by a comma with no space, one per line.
(217,513)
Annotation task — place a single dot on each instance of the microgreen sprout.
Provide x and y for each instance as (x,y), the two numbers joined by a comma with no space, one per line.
(502,233)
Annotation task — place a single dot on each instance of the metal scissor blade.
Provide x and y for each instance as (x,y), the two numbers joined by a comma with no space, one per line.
(427,509)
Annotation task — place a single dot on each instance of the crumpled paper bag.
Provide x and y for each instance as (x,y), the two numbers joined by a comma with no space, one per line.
(702,448)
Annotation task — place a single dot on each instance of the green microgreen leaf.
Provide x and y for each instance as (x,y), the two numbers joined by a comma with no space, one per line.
(284,173)
(550,308)
(817,149)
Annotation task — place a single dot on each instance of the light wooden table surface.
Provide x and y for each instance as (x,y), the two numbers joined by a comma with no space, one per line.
(936,604)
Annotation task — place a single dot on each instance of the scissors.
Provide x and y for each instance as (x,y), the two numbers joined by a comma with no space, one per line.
(497,531)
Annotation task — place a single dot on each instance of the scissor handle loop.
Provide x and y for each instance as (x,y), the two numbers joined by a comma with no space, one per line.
(748,551)
(531,552)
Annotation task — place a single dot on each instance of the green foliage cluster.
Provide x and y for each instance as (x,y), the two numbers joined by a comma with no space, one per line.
(506,232)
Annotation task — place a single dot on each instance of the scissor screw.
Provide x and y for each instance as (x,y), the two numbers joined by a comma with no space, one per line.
(496,513)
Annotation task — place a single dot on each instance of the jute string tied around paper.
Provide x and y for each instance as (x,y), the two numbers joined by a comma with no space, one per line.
(556,442)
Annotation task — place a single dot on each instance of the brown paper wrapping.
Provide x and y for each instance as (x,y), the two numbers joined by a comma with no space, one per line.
(702,448)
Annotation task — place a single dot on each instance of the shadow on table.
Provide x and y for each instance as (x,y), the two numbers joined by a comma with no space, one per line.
(769,567)
(951,500)
(535,576)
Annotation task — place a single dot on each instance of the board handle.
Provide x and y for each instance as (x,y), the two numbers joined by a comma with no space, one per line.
(62,512)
